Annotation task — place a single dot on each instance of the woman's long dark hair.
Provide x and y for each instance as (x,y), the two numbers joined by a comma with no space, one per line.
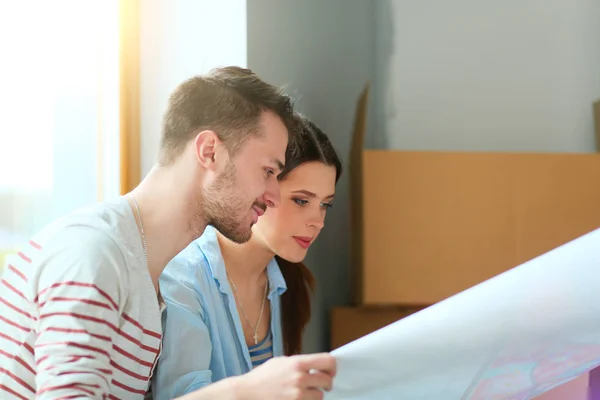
(307,145)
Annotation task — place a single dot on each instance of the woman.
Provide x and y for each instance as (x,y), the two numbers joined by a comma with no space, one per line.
(231,307)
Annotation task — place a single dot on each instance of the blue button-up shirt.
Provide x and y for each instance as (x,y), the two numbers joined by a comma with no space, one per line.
(203,340)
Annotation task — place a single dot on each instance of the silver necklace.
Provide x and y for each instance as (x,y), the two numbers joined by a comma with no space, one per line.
(139,215)
(262,308)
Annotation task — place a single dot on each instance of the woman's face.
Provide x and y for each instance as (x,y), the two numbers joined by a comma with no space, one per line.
(306,195)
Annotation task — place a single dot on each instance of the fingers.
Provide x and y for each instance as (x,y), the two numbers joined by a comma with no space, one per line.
(317,380)
(323,362)
(313,394)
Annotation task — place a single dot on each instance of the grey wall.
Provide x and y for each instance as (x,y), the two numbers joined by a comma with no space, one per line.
(323,51)
(502,75)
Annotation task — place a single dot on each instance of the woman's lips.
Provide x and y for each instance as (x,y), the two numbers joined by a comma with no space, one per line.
(303,241)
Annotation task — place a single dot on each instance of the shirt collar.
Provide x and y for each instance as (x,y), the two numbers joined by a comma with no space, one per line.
(161,302)
(209,244)
(276,279)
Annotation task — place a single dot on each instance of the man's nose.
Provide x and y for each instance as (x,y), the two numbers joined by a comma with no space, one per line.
(273,194)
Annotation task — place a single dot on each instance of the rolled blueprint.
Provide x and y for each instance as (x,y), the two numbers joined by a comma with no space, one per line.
(514,336)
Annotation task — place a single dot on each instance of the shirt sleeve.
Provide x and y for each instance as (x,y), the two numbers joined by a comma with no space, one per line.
(184,363)
(78,297)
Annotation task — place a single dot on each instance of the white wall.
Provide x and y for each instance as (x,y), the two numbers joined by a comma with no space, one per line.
(180,39)
(474,75)
(323,51)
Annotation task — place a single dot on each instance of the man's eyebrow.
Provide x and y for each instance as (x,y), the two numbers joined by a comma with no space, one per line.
(279,164)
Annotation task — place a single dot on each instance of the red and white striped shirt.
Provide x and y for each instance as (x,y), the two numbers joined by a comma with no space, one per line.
(79,315)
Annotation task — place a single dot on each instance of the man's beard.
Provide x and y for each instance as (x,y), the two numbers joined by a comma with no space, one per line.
(222,209)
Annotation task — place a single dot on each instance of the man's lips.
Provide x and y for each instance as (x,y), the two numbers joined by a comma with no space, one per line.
(303,241)
(259,211)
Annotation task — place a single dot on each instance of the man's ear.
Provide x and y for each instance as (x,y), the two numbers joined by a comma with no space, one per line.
(206,144)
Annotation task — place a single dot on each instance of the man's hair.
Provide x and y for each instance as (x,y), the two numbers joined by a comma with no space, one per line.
(228,101)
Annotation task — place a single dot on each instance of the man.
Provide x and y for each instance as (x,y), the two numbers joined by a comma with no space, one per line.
(80,309)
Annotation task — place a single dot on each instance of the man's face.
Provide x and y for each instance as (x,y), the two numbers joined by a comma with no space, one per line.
(248,183)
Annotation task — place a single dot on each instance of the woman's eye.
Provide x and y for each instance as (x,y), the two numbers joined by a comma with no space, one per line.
(300,202)
(269,172)
(326,205)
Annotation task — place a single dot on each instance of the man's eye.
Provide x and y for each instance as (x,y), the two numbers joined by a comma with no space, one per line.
(269,172)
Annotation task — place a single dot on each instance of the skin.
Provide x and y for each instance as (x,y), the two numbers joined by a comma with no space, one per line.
(176,203)
(243,187)
(172,197)
(306,194)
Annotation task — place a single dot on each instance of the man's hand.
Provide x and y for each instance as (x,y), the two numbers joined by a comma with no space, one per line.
(301,377)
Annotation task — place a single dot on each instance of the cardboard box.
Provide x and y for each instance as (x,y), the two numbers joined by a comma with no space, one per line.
(597,123)
(351,323)
(427,225)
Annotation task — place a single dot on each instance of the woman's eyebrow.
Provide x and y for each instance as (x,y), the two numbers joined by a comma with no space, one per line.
(306,192)
(310,194)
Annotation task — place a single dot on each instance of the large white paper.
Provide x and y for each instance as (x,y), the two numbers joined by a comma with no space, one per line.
(514,336)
